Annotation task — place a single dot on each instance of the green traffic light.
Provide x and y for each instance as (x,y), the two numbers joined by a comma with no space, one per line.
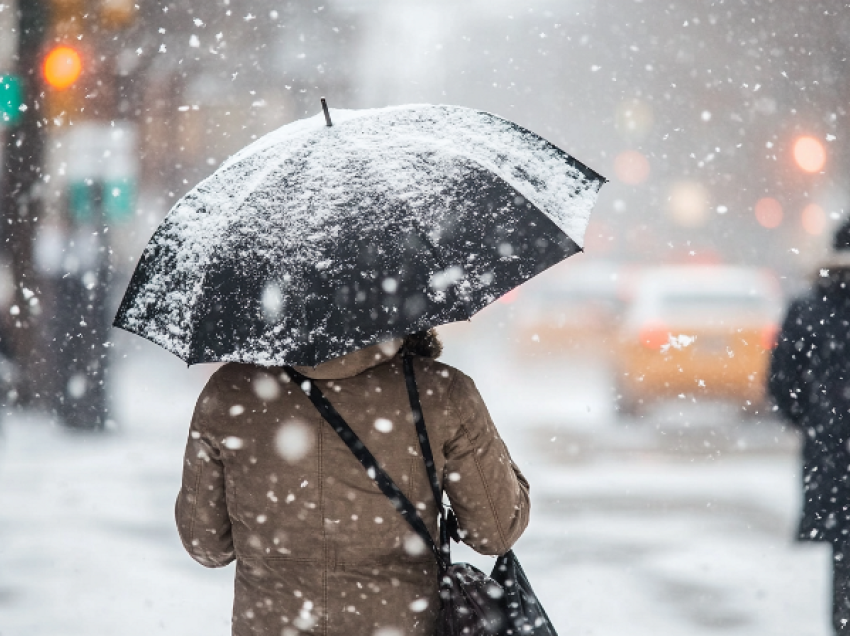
(11,99)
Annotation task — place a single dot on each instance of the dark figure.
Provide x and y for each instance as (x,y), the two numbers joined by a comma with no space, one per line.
(8,372)
(810,381)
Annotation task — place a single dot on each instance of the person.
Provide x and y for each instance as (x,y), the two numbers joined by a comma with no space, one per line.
(8,373)
(318,548)
(810,383)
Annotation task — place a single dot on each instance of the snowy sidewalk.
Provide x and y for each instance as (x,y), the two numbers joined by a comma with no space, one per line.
(87,539)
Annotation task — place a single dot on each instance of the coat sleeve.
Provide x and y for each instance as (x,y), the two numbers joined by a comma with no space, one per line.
(201,510)
(788,382)
(487,491)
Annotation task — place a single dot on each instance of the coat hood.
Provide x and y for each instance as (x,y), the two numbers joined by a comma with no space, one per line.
(353,363)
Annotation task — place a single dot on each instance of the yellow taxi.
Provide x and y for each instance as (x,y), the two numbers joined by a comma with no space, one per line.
(694,332)
(574,306)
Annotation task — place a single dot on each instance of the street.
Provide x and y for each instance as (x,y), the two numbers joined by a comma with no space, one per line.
(676,523)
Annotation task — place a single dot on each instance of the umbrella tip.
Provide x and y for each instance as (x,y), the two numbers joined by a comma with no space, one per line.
(327,113)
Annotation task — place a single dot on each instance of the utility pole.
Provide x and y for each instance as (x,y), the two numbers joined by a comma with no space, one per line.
(97,189)
(21,201)
(66,70)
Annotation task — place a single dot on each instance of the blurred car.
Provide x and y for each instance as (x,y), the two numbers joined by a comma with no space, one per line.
(698,331)
(573,306)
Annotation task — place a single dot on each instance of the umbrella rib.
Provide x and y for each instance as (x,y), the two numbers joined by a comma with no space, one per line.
(433,249)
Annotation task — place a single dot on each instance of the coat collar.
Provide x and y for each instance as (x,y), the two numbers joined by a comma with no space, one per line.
(353,363)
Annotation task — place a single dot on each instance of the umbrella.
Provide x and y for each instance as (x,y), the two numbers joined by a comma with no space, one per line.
(319,239)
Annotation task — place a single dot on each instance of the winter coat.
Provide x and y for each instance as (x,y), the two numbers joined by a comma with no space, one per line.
(318,548)
(810,382)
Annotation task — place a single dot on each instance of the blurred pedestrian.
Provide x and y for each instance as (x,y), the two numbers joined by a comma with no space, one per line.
(8,371)
(318,547)
(810,382)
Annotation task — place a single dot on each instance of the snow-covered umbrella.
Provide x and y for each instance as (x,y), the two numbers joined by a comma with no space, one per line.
(317,239)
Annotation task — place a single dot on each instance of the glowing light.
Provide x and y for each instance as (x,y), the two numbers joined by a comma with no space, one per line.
(631,167)
(62,67)
(814,219)
(768,212)
(688,203)
(809,154)
(654,335)
(769,337)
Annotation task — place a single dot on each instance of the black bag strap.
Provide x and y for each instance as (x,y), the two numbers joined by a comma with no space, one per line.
(397,498)
(448,523)
(422,432)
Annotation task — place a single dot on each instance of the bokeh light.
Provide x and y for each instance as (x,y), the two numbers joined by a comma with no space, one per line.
(687,203)
(809,154)
(813,219)
(62,67)
(768,212)
(631,167)
(633,119)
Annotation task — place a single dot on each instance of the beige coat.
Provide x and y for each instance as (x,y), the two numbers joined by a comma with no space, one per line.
(318,548)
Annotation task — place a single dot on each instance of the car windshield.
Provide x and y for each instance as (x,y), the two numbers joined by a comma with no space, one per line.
(714,306)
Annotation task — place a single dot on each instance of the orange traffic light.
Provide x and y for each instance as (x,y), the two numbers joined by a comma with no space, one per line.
(62,67)
(809,154)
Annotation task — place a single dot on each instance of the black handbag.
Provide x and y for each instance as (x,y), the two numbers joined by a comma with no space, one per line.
(471,603)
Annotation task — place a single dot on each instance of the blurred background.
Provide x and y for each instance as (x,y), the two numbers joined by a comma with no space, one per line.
(628,381)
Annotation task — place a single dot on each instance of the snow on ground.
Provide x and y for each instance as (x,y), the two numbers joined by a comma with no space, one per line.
(674,524)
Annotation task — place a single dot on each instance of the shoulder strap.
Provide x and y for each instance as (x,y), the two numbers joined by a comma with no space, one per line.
(448,522)
(422,432)
(397,498)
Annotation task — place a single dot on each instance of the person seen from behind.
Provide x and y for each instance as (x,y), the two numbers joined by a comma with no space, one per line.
(319,549)
(810,382)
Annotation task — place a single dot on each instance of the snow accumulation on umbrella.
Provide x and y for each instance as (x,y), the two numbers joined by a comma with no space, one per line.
(378,144)
(306,197)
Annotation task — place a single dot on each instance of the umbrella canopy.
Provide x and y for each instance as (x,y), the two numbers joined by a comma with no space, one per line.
(317,240)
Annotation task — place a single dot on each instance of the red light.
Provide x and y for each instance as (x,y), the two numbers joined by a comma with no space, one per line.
(654,335)
(62,67)
(769,336)
(809,154)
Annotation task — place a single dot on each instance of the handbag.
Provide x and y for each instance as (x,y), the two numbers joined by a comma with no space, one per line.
(471,603)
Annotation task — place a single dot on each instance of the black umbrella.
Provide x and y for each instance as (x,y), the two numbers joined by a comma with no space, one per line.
(318,240)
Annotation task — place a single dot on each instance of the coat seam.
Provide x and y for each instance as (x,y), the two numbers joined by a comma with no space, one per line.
(199,427)
(486,491)
(195,503)
(450,403)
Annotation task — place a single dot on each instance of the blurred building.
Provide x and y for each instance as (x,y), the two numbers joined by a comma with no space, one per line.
(692,109)
(721,126)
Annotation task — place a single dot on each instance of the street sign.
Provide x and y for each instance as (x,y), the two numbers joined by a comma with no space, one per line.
(105,154)
(118,199)
(11,99)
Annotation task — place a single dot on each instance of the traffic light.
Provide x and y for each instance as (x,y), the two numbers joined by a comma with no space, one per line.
(62,67)
(62,70)
(63,60)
